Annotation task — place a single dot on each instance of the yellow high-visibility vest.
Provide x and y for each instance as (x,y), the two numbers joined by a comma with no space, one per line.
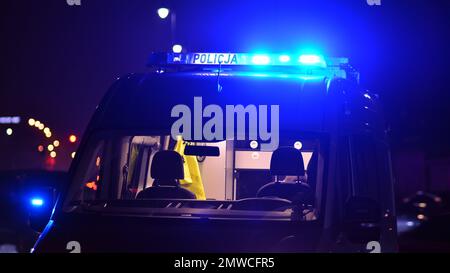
(192,178)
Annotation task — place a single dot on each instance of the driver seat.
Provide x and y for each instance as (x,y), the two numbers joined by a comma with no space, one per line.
(287,161)
(166,170)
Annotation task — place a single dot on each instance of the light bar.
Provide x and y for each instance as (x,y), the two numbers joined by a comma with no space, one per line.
(261,59)
(240,59)
(284,58)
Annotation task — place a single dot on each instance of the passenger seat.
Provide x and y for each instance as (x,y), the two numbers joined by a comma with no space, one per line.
(166,170)
(287,161)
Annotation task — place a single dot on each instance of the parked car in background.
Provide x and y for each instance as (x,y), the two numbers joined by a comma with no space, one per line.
(25,195)
(424,222)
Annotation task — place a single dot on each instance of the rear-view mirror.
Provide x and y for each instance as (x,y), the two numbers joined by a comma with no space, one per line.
(195,150)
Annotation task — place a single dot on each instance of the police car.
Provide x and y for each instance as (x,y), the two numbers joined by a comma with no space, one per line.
(303,167)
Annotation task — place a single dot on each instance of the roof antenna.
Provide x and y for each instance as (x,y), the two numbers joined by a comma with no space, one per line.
(219,86)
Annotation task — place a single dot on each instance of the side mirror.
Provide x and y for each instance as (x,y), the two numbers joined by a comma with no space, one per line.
(195,150)
(362,217)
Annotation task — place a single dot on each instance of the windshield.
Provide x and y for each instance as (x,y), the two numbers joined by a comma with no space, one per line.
(117,169)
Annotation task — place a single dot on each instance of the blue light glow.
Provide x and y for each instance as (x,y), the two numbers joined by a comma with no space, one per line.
(263,75)
(406,224)
(310,59)
(37,202)
(284,58)
(300,65)
(261,59)
(243,59)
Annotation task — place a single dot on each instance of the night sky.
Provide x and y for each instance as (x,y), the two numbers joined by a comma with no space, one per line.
(57,61)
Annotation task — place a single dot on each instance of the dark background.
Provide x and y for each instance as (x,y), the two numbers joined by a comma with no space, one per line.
(57,61)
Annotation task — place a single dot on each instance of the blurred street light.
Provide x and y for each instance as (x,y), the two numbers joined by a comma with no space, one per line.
(9,131)
(163,12)
(56,143)
(53,154)
(50,147)
(31,122)
(72,138)
(177,48)
(9,120)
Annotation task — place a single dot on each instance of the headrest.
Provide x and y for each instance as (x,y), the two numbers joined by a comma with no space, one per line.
(167,165)
(287,161)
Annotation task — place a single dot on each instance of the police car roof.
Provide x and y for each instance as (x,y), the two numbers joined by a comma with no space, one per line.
(297,83)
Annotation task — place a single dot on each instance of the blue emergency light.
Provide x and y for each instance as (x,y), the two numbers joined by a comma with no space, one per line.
(243,59)
(311,60)
(37,202)
(300,64)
